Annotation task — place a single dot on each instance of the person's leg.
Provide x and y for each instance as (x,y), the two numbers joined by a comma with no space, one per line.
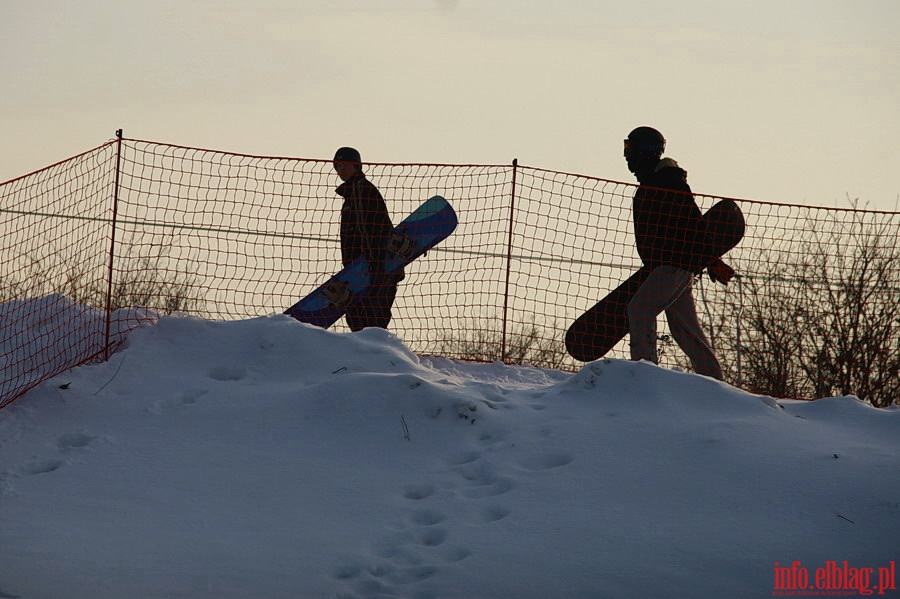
(356,316)
(374,310)
(662,287)
(382,302)
(687,332)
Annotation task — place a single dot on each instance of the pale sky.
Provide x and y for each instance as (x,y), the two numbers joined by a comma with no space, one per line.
(794,101)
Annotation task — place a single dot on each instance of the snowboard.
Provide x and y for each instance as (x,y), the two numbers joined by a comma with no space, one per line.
(431,223)
(599,329)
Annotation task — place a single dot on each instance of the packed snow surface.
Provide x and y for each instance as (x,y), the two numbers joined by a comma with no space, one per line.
(267,458)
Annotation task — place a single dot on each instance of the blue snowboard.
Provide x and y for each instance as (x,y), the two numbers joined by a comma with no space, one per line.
(431,223)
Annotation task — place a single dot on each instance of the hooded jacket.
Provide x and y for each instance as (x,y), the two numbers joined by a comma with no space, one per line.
(668,225)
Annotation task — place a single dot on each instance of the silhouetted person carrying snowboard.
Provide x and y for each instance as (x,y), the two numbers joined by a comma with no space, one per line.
(671,240)
(365,231)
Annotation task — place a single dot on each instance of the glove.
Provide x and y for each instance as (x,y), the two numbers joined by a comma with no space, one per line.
(719,272)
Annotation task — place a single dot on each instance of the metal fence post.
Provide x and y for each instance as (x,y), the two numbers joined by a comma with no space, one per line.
(112,244)
(512,214)
(738,341)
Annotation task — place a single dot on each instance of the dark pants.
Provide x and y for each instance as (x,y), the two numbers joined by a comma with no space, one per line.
(668,288)
(373,310)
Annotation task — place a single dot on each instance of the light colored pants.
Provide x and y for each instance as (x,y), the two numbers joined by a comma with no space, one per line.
(668,288)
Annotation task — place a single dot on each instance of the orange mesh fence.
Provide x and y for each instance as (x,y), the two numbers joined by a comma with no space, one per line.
(112,239)
(55,253)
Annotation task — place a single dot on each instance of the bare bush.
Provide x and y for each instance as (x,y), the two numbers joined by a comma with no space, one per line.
(139,282)
(149,287)
(527,343)
(828,323)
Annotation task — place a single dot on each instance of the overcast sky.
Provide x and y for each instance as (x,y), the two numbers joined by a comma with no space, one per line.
(794,101)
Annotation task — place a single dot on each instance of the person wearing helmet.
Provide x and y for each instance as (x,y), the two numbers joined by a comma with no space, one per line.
(365,231)
(670,237)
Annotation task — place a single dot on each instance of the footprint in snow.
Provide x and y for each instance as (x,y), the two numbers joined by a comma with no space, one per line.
(401,560)
(419,492)
(413,574)
(426,518)
(466,457)
(70,441)
(430,536)
(548,461)
(187,397)
(456,554)
(44,466)
(478,476)
(228,373)
(493,513)
(495,488)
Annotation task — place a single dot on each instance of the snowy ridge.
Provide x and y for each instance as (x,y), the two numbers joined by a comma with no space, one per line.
(42,336)
(268,458)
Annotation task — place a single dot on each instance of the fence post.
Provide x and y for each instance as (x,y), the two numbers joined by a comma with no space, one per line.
(739,343)
(512,214)
(112,244)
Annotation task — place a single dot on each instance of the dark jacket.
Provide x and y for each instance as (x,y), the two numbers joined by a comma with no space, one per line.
(365,225)
(668,225)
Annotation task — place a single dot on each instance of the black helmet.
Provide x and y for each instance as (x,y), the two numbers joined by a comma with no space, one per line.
(645,142)
(346,154)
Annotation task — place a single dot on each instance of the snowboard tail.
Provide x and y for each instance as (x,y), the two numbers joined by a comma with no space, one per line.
(427,226)
(599,329)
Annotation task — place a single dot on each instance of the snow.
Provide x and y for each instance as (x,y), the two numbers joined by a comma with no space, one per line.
(40,336)
(267,458)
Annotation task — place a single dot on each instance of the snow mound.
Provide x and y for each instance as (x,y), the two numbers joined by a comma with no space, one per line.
(268,458)
(41,337)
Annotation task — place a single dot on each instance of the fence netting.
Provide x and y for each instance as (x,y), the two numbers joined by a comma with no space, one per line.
(133,230)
